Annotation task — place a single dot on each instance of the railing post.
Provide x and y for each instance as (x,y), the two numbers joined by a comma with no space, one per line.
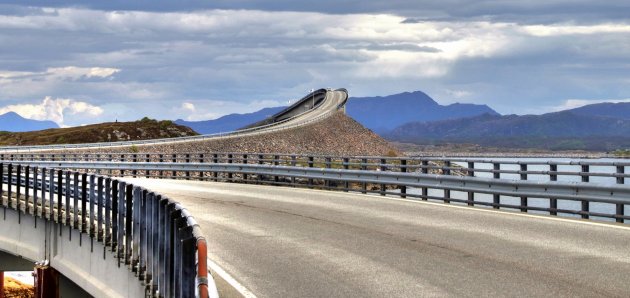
(310,165)
(496,199)
(471,173)
(621,171)
(161,160)
(276,162)
(524,203)
(383,168)
(403,169)
(553,176)
(174,160)
(215,159)
(230,160)
(446,170)
(424,170)
(620,207)
(122,159)
(328,162)
(293,164)
(585,178)
(84,198)
(346,166)
(201,160)
(187,161)
(364,168)
(147,159)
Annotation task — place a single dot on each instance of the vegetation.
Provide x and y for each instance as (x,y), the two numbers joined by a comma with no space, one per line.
(622,152)
(142,129)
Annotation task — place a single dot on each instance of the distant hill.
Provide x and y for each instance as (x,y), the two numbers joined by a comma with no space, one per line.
(105,132)
(382,114)
(557,131)
(15,123)
(608,109)
(229,122)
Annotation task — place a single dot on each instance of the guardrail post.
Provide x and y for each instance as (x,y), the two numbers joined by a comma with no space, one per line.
(187,161)
(346,166)
(470,172)
(310,165)
(383,168)
(230,159)
(161,160)
(584,174)
(496,199)
(122,159)
(524,203)
(215,159)
(201,160)
(174,160)
(585,178)
(403,169)
(446,170)
(328,162)
(620,171)
(10,186)
(424,169)
(245,161)
(147,159)
(553,176)
(276,162)
(293,164)
(364,162)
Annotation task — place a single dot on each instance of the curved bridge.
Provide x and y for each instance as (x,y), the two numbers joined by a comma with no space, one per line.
(315,106)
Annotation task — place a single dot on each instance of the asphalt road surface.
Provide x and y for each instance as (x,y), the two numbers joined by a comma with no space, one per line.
(287,242)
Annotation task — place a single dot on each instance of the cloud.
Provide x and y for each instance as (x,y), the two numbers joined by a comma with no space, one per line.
(576,103)
(223,56)
(54,109)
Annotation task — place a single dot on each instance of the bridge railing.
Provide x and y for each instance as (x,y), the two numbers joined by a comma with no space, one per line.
(152,235)
(583,199)
(607,172)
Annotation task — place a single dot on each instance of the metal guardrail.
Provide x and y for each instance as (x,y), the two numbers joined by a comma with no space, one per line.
(273,127)
(340,179)
(154,236)
(614,172)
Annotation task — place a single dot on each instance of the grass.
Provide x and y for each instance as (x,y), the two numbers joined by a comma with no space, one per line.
(105,132)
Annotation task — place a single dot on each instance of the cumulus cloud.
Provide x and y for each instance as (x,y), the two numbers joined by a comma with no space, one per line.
(55,109)
(218,56)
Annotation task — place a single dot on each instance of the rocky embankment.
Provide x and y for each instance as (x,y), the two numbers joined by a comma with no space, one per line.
(337,135)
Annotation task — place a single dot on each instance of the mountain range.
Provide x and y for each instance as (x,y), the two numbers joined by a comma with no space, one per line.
(229,122)
(603,127)
(382,114)
(13,122)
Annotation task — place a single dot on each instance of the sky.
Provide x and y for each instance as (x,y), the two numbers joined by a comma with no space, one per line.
(81,62)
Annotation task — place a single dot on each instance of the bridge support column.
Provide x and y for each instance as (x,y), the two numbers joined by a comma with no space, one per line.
(46,282)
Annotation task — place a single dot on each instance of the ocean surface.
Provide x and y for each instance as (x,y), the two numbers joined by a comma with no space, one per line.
(540,202)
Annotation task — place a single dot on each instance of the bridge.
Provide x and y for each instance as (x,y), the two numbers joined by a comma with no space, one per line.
(336,226)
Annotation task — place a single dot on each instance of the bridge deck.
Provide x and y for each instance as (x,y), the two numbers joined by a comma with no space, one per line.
(284,242)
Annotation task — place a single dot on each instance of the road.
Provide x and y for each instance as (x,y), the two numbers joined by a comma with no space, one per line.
(331,103)
(287,242)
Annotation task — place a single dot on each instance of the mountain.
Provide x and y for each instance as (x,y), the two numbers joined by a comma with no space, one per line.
(15,123)
(382,114)
(104,132)
(607,109)
(564,130)
(229,122)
